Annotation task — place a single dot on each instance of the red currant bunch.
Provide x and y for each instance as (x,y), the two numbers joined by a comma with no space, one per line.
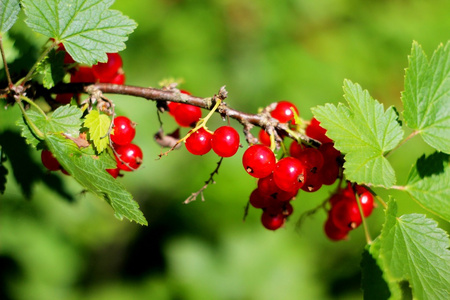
(344,214)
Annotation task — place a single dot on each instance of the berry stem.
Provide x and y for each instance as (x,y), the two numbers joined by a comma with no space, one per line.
(366,228)
(381,201)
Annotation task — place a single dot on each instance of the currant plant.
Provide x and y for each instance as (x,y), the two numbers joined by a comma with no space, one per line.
(345,146)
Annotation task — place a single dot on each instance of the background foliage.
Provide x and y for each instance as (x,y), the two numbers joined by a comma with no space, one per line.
(264,51)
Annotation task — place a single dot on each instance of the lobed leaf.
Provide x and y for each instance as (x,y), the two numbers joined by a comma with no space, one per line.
(429,183)
(51,68)
(363,131)
(39,120)
(90,171)
(426,98)
(412,248)
(88,29)
(98,125)
(9,9)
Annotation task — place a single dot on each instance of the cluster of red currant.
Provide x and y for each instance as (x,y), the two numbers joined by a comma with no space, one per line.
(307,168)
(128,155)
(224,141)
(109,72)
(344,214)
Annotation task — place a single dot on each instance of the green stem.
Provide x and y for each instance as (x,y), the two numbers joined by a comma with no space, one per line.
(30,123)
(8,76)
(413,134)
(41,58)
(31,102)
(366,228)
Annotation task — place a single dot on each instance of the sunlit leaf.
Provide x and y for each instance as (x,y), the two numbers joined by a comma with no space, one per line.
(9,9)
(98,125)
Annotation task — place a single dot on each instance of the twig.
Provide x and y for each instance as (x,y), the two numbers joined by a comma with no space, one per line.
(210,180)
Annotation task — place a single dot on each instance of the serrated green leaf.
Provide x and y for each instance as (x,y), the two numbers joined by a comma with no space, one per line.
(9,9)
(88,29)
(412,248)
(39,120)
(372,282)
(426,98)
(429,183)
(51,68)
(363,132)
(98,125)
(89,171)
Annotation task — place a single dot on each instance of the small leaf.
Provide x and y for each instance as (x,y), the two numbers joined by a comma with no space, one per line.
(427,96)
(363,131)
(98,125)
(66,119)
(429,183)
(90,171)
(412,248)
(88,29)
(9,9)
(51,68)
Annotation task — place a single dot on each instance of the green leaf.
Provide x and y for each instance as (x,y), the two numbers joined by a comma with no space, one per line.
(372,282)
(88,29)
(363,131)
(427,96)
(90,171)
(429,183)
(39,120)
(51,68)
(98,125)
(9,9)
(412,248)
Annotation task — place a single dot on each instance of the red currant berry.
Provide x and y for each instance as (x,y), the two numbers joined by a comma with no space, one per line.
(335,198)
(272,222)
(119,78)
(283,111)
(64,98)
(289,174)
(311,158)
(329,152)
(199,142)
(259,161)
(313,182)
(345,215)
(284,196)
(49,161)
(225,141)
(267,185)
(106,71)
(259,200)
(329,172)
(83,74)
(315,131)
(295,149)
(334,233)
(186,115)
(113,172)
(264,137)
(185,92)
(172,106)
(124,131)
(367,205)
(129,157)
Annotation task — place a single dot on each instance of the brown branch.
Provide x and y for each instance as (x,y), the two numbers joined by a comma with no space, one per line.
(262,119)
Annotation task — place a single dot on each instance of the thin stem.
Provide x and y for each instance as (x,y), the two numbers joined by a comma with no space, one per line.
(43,55)
(31,102)
(413,134)
(8,76)
(30,123)
(381,201)
(398,187)
(366,228)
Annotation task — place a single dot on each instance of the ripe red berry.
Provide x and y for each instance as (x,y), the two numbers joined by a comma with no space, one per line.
(64,98)
(264,137)
(83,74)
(259,200)
(107,71)
(114,172)
(334,233)
(129,157)
(124,130)
(283,111)
(267,185)
(199,142)
(271,221)
(49,161)
(259,161)
(119,78)
(311,158)
(367,204)
(345,215)
(315,131)
(225,141)
(313,182)
(329,172)
(289,174)
(186,115)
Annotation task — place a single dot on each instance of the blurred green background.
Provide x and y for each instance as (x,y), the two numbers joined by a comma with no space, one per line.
(64,244)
